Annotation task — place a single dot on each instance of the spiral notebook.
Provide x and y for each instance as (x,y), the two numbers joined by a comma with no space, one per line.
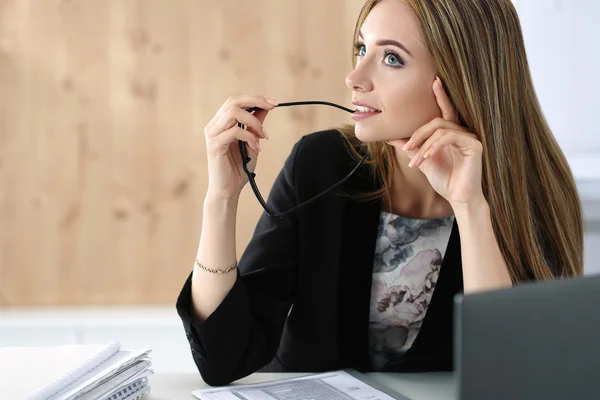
(74,372)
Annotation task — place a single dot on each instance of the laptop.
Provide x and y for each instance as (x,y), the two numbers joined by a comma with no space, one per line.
(537,340)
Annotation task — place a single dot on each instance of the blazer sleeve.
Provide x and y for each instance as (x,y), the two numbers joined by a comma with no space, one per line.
(242,335)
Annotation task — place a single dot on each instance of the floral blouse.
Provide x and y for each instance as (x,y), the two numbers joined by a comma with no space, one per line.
(408,258)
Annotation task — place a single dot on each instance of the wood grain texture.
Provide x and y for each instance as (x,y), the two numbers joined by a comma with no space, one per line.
(103,106)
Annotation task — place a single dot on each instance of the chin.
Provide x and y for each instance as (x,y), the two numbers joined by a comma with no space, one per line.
(367,135)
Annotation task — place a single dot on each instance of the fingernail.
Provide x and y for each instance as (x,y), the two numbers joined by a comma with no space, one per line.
(427,153)
(258,146)
(271,101)
(406,146)
(413,161)
(264,132)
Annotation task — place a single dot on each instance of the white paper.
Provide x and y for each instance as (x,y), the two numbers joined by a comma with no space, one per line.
(338,385)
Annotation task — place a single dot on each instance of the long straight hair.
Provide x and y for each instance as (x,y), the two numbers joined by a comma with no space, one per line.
(479,53)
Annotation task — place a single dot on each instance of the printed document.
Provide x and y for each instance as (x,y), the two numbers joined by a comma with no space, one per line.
(337,385)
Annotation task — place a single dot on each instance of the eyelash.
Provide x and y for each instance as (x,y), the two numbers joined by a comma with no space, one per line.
(359,46)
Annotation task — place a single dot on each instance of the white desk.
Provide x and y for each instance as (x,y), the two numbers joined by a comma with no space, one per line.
(427,386)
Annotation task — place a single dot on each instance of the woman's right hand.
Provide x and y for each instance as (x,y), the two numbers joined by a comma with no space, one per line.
(226,176)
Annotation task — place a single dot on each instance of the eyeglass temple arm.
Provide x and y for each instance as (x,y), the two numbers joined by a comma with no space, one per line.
(246,159)
(244,153)
(262,201)
(303,103)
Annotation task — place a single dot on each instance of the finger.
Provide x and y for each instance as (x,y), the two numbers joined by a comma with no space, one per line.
(224,140)
(252,123)
(448,111)
(423,152)
(261,115)
(398,144)
(250,101)
(231,119)
(243,102)
(424,132)
(461,140)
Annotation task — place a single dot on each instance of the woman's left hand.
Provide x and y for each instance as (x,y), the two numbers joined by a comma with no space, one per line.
(447,153)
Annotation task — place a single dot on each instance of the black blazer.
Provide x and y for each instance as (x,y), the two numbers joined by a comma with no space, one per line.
(315,265)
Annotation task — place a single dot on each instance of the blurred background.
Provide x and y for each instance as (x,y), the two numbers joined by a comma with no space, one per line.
(102,163)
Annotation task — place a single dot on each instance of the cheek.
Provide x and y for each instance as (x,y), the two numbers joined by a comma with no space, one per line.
(413,109)
(408,106)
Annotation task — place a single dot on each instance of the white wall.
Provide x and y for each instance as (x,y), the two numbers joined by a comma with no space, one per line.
(157,328)
(592,243)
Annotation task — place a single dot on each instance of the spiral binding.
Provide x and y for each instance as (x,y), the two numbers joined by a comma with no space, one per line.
(129,390)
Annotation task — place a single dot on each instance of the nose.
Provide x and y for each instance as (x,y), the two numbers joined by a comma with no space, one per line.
(359,79)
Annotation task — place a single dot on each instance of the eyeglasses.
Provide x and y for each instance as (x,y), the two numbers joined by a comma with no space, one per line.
(251,175)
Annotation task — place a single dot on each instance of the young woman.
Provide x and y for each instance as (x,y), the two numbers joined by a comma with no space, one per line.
(463,189)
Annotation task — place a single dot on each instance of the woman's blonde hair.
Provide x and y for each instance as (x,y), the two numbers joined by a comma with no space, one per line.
(479,53)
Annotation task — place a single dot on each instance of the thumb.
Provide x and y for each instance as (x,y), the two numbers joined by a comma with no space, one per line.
(261,114)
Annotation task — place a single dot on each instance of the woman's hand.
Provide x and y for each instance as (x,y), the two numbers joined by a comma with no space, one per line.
(447,153)
(226,176)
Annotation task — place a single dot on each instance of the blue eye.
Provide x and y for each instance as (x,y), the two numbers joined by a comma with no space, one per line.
(359,49)
(393,59)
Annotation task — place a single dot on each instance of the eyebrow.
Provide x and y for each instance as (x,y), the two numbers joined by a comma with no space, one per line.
(385,42)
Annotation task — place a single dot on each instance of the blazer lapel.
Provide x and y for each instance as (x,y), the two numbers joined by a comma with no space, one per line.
(356,268)
(433,346)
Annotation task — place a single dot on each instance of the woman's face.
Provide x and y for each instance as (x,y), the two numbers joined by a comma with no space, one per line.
(394,75)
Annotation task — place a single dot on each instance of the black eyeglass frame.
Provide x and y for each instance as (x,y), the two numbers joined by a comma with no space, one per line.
(251,175)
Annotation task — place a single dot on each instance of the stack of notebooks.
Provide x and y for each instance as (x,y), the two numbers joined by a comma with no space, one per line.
(74,372)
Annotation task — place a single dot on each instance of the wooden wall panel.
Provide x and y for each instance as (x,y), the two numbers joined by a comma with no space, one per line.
(103,105)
